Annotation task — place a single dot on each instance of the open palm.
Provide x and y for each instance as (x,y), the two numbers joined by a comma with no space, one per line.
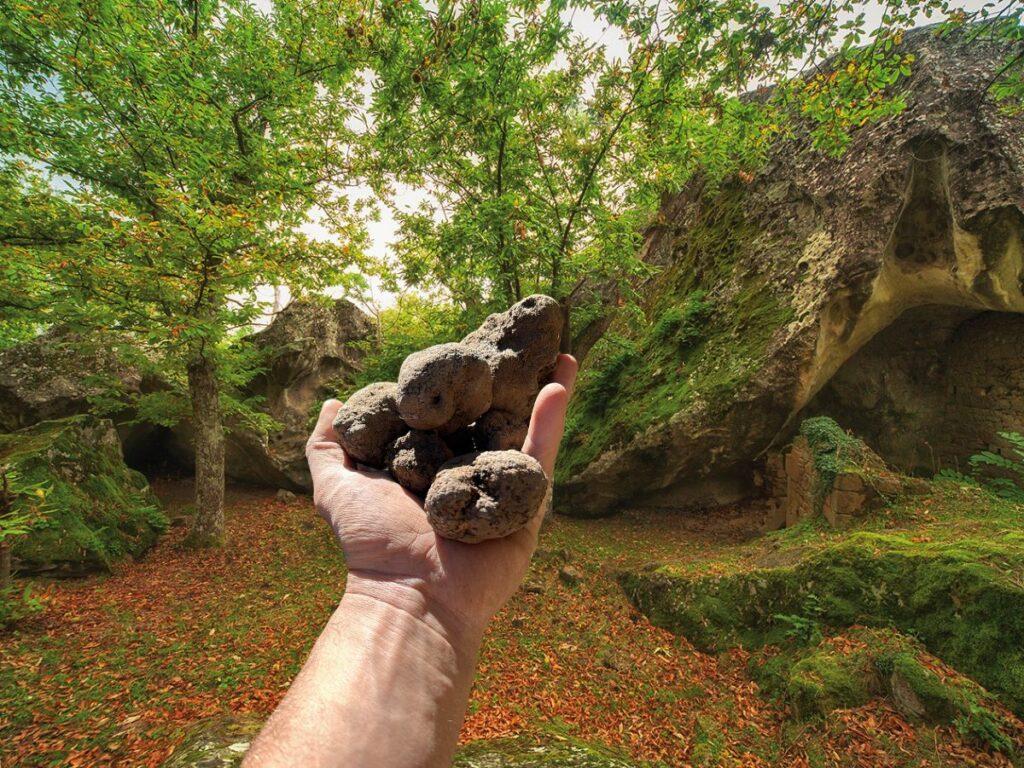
(384,533)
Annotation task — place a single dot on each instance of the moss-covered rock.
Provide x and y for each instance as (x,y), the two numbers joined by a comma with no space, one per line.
(849,669)
(96,509)
(965,601)
(800,265)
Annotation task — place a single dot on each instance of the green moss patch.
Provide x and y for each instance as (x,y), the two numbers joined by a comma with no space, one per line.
(702,334)
(965,601)
(96,509)
(850,669)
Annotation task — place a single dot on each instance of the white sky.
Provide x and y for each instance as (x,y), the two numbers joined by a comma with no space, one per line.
(382,233)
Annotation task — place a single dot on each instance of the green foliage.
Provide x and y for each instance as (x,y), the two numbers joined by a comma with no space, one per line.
(1009,482)
(413,323)
(834,451)
(165,159)
(16,604)
(96,509)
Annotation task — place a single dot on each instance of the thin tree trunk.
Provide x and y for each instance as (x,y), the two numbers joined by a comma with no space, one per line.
(208,524)
(5,566)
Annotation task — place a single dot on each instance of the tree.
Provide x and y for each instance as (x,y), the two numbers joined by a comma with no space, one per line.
(166,156)
(545,156)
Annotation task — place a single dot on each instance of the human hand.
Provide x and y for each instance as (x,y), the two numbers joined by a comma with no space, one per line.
(392,553)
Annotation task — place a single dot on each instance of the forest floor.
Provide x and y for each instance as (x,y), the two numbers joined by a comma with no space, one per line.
(119,665)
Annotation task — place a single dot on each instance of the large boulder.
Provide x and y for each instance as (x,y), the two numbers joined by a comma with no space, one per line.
(311,351)
(58,374)
(94,510)
(882,287)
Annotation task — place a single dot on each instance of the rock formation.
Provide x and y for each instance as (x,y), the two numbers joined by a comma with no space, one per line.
(311,349)
(95,510)
(882,287)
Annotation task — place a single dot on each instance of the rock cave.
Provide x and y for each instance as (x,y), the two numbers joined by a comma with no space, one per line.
(932,388)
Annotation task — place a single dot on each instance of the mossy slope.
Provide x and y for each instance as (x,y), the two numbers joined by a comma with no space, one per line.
(850,669)
(96,509)
(964,601)
(702,332)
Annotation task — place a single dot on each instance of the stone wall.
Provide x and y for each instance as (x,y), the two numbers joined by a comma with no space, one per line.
(793,482)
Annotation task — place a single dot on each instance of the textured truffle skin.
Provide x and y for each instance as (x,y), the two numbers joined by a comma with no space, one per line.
(369,422)
(485,495)
(521,346)
(444,387)
(414,459)
(500,431)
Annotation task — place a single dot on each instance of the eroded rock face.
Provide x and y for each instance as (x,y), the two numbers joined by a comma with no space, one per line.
(485,495)
(313,347)
(806,264)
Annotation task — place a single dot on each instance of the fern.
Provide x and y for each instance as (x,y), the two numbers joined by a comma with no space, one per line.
(1009,484)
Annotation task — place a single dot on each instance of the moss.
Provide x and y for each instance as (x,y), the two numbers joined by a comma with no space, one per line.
(964,601)
(833,451)
(850,669)
(700,337)
(97,510)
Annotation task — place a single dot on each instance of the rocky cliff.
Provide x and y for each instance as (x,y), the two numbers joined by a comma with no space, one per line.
(882,287)
(311,350)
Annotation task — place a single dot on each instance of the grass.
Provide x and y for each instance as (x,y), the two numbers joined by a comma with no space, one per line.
(118,666)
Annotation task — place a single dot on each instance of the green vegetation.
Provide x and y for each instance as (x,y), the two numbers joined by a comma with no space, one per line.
(97,510)
(961,593)
(1004,475)
(851,668)
(703,336)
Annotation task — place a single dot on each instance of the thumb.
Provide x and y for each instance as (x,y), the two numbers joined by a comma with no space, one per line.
(322,448)
(548,419)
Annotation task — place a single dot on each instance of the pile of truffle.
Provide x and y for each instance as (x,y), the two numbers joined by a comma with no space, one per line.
(450,430)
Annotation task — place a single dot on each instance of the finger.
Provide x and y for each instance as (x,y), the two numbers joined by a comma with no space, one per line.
(322,448)
(546,425)
(565,372)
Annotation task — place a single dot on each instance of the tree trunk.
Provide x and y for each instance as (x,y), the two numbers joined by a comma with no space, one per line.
(208,525)
(5,566)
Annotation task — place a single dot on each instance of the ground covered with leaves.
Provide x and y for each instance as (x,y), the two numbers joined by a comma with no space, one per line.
(117,667)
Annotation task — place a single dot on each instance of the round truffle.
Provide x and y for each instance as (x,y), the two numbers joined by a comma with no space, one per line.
(485,495)
(521,346)
(444,387)
(369,422)
(414,458)
(500,431)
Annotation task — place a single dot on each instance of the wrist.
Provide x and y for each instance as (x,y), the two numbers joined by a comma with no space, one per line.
(407,606)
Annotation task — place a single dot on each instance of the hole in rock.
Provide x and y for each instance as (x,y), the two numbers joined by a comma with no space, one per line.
(932,388)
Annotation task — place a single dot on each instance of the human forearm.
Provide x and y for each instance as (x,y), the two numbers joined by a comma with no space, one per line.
(385,685)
